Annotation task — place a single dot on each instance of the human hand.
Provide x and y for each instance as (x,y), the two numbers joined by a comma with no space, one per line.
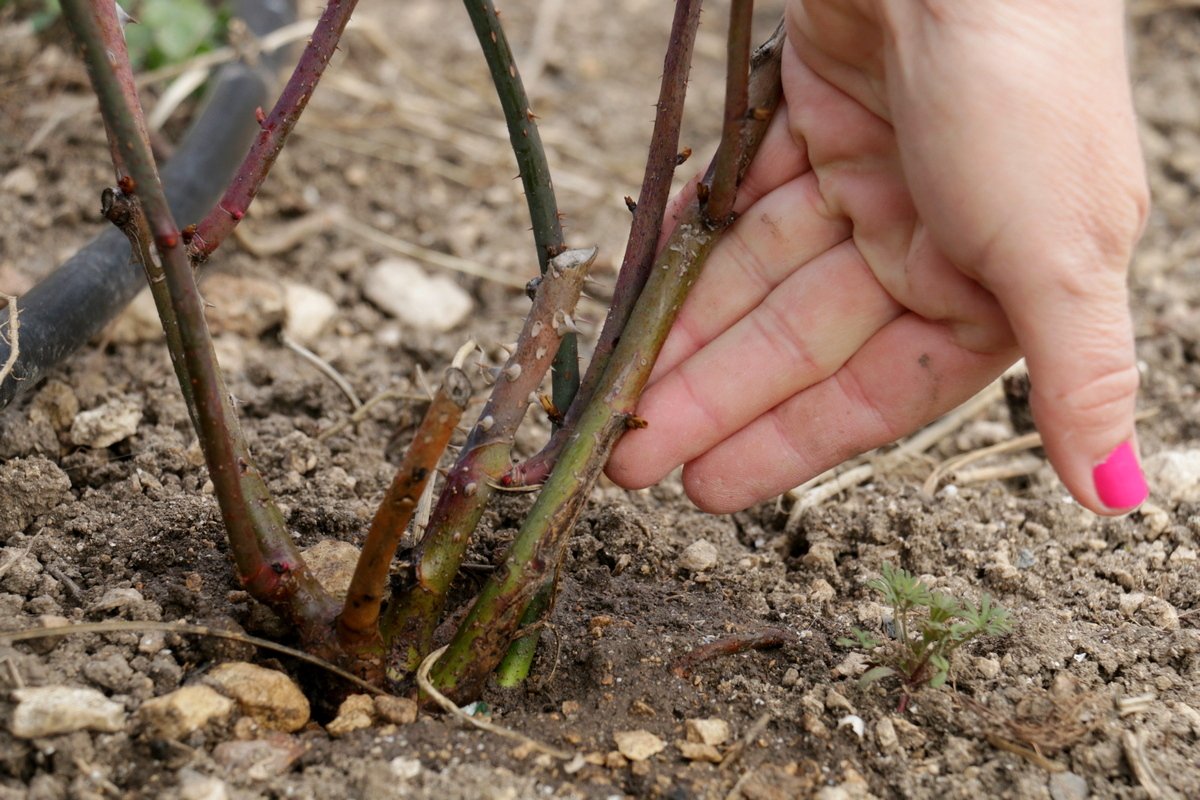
(946,186)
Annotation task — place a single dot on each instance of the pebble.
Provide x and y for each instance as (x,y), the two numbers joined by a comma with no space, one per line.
(1068,786)
(138,323)
(106,424)
(1025,558)
(1174,474)
(354,714)
(396,710)
(638,745)
(699,556)
(1130,602)
(179,713)
(403,290)
(307,312)
(30,487)
(242,304)
(50,710)
(266,695)
(332,563)
(1161,614)
(194,786)
(707,731)
(791,677)
(259,759)
(22,182)
(698,751)
(885,735)
(405,768)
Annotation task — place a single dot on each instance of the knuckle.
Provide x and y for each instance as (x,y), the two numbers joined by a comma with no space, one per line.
(1103,400)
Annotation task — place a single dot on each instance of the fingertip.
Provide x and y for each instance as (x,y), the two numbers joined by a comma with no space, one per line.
(1119,482)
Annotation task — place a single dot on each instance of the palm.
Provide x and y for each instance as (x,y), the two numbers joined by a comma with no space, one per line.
(943,182)
(826,322)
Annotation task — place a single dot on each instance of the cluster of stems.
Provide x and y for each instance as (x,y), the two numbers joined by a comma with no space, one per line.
(386,639)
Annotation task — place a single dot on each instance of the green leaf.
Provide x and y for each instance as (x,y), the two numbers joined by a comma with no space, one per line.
(875,674)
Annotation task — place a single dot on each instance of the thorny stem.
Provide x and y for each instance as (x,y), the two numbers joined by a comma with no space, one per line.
(640,248)
(413,617)
(224,217)
(358,624)
(113,34)
(269,565)
(535,171)
(540,545)
(763,96)
(723,187)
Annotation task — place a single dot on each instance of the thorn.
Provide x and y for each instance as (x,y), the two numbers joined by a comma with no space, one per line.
(470,489)
(760,114)
(631,204)
(633,422)
(512,372)
(529,115)
(683,156)
(702,192)
(124,17)
(535,330)
(260,116)
(486,423)
(540,353)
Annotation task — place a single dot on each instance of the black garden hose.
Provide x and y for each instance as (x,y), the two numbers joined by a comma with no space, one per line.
(75,302)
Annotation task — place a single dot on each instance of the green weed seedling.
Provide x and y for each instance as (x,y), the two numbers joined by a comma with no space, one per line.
(930,627)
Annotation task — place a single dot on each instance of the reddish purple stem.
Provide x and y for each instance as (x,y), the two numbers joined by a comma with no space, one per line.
(224,217)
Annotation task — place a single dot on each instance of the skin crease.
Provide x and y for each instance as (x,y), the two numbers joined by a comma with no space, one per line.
(946,187)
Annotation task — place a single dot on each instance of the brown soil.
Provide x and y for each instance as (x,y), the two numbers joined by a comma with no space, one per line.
(1103,609)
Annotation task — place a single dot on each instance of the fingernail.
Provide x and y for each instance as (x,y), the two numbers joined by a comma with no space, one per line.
(1119,480)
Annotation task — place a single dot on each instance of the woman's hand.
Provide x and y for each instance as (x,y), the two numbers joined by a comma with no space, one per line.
(947,186)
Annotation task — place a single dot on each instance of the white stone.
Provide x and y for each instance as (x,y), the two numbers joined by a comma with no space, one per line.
(403,290)
(1174,474)
(707,731)
(355,713)
(242,304)
(405,768)
(21,181)
(175,715)
(699,556)
(307,312)
(106,424)
(266,695)
(332,563)
(194,786)
(50,710)
(638,745)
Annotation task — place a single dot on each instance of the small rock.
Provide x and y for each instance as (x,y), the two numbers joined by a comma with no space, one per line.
(50,710)
(699,556)
(259,759)
(791,677)
(988,668)
(58,402)
(242,305)
(638,745)
(403,290)
(138,323)
(885,735)
(855,723)
(175,715)
(698,751)
(268,696)
(106,424)
(1130,602)
(21,181)
(405,768)
(707,731)
(115,599)
(355,713)
(853,665)
(1025,558)
(396,710)
(194,786)
(332,563)
(821,591)
(307,312)
(1174,474)
(20,570)
(1068,786)
(1161,614)
(111,671)
(29,487)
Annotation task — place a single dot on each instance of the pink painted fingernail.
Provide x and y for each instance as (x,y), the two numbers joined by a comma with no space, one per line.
(1119,480)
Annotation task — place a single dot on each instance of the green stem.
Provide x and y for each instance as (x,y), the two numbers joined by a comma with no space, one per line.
(269,565)
(412,618)
(535,172)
